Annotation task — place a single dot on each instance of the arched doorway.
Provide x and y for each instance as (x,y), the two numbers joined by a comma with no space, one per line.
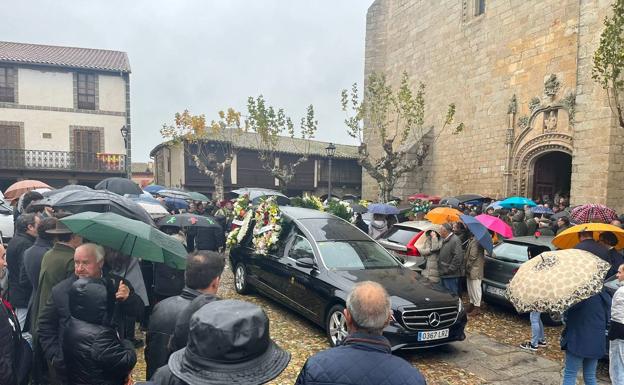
(552,173)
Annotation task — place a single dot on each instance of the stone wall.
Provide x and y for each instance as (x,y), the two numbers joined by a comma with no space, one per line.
(479,62)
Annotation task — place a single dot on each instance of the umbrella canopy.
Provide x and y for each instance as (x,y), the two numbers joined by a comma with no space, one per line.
(176,203)
(383,208)
(175,194)
(18,188)
(69,187)
(555,280)
(541,210)
(155,210)
(119,186)
(495,224)
(78,201)
(517,203)
(129,237)
(568,238)
(560,214)
(187,220)
(479,231)
(153,188)
(470,197)
(199,197)
(421,196)
(450,202)
(495,205)
(441,215)
(591,212)
(358,208)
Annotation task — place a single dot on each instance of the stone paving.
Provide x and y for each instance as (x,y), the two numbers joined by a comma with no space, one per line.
(497,363)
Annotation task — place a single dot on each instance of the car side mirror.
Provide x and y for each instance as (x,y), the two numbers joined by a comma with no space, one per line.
(306,262)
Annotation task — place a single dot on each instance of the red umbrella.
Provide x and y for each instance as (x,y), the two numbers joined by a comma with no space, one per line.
(592,213)
(495,224)
(422,196)
(18,188)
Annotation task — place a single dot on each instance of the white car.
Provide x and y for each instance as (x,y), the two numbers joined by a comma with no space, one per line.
(6,221)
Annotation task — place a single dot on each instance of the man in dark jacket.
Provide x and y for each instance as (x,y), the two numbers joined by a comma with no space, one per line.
(203,269)
(609,241)
(210,238)
(54,318)
(29,275)
(93,352)
(450,259)
(518,224)
(19,295)
(588,243)
(365,356)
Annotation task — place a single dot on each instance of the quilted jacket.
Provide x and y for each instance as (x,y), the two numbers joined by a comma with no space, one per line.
(362,359)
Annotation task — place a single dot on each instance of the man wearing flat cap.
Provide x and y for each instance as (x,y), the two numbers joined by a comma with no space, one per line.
(229,344)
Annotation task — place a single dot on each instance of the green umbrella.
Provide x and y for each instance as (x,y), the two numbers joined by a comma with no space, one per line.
(128,236)
(198,196)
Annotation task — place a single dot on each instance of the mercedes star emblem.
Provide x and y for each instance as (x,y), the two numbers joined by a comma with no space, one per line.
(434,319)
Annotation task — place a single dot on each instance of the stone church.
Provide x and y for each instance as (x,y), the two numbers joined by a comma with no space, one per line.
(520,74)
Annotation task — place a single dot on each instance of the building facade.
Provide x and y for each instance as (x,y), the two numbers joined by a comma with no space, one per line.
(520,74)
(61,114)
(173,167)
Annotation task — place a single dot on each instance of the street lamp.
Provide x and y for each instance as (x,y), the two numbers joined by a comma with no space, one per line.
(330,151)
(124,135)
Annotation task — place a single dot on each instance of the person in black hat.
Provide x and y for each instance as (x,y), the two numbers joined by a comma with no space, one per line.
(365,355)
(228,344)
(92,350)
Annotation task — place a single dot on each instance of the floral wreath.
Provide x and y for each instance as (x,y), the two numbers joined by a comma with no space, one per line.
(308,201)
(241,212)
(341,209)
(268,225)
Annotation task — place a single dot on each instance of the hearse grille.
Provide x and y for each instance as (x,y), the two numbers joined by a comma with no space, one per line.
(428,319)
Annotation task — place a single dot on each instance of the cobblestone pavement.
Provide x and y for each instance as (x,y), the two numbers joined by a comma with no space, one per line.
(489,355)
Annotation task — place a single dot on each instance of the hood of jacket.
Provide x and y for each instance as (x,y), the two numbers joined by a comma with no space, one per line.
(88,301)
(379,224)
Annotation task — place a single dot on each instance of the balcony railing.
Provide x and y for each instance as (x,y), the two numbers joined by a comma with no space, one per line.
(62,160)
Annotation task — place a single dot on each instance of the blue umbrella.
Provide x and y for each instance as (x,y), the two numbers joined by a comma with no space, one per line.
(153,188)
(382,208)
(517,203)
(479,231)
(176,203)
(542,210)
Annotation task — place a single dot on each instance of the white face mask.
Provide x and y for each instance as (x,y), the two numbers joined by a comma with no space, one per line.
(379,222)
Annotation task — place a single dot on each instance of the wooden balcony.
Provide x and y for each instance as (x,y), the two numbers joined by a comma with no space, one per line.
(44,160)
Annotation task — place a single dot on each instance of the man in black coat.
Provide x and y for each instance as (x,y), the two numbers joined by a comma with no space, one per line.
(19,295)
(609,240)
(31,266)
(203,271)
(210,238)
(93,352)
(588,243)
(54,318)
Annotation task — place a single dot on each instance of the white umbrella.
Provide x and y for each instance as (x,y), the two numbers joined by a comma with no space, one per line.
(154,210)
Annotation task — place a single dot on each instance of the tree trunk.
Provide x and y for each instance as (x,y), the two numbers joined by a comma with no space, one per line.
(219,192)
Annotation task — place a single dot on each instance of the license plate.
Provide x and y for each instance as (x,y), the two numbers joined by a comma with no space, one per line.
(495,290)
(433,335)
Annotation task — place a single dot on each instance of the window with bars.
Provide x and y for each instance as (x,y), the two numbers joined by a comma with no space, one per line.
(7,84)
(11,137)
(86,91)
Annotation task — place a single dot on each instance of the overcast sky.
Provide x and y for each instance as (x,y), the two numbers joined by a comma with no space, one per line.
(207,55)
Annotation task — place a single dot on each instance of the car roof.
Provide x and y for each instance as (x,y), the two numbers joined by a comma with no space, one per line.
(544,240)
(418,225)
(304,213)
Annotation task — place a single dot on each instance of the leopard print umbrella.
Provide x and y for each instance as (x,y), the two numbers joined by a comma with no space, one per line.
(555,280)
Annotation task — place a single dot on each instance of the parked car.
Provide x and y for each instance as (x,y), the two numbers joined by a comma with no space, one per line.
(505,261)
(318,260)
(6,222)
(400,240)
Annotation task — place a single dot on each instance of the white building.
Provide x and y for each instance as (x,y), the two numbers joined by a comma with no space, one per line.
(62,110)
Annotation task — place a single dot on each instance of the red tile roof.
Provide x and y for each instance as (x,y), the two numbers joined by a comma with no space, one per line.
(95,59)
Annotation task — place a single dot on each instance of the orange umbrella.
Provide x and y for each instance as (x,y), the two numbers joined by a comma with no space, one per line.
(441,215)
(568,238)
(18,188)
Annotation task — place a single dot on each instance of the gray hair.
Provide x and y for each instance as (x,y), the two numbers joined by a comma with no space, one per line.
(96,249)
(369,306)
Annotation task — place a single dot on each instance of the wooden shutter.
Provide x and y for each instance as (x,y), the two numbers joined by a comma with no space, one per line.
(86,146)
(10,137)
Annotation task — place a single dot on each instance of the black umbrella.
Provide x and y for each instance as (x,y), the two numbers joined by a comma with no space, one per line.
(450,202)
(469,197)
(101,201)
(69,187)
(560,214)
(187,220)
(358,208)
(119,186)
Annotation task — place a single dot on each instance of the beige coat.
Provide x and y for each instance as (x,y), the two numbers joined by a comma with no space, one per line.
(475,260)
(428,247)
